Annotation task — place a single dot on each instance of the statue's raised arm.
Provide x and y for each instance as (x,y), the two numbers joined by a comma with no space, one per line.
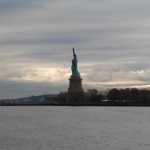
(73,52)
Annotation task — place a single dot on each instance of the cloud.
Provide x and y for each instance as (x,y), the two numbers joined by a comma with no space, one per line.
(111,38)
(7,6)
(116,74)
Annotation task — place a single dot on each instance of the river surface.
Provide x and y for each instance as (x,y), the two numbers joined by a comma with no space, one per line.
(74,128)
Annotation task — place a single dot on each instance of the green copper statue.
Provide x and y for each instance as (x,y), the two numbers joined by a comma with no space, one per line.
(74,65)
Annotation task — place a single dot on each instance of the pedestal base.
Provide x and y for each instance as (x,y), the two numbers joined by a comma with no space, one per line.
(75,91)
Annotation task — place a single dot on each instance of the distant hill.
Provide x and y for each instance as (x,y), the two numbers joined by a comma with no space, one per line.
(32,100)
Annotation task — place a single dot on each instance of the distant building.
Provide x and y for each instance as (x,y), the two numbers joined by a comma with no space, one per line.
(50,99)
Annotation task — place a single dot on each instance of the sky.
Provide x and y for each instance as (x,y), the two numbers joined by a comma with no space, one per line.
(111,39)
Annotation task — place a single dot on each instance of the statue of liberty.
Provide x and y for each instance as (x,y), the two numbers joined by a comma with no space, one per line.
(74,66)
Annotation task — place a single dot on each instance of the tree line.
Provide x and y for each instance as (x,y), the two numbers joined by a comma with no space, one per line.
(119,97)
(113,96)
(129,95)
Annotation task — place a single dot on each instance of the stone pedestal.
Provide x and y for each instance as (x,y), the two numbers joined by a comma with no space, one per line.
(75,90)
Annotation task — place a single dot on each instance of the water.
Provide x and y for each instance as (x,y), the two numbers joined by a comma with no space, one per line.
(74,128)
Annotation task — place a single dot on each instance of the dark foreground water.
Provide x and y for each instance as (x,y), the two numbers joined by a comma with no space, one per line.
(74,128)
